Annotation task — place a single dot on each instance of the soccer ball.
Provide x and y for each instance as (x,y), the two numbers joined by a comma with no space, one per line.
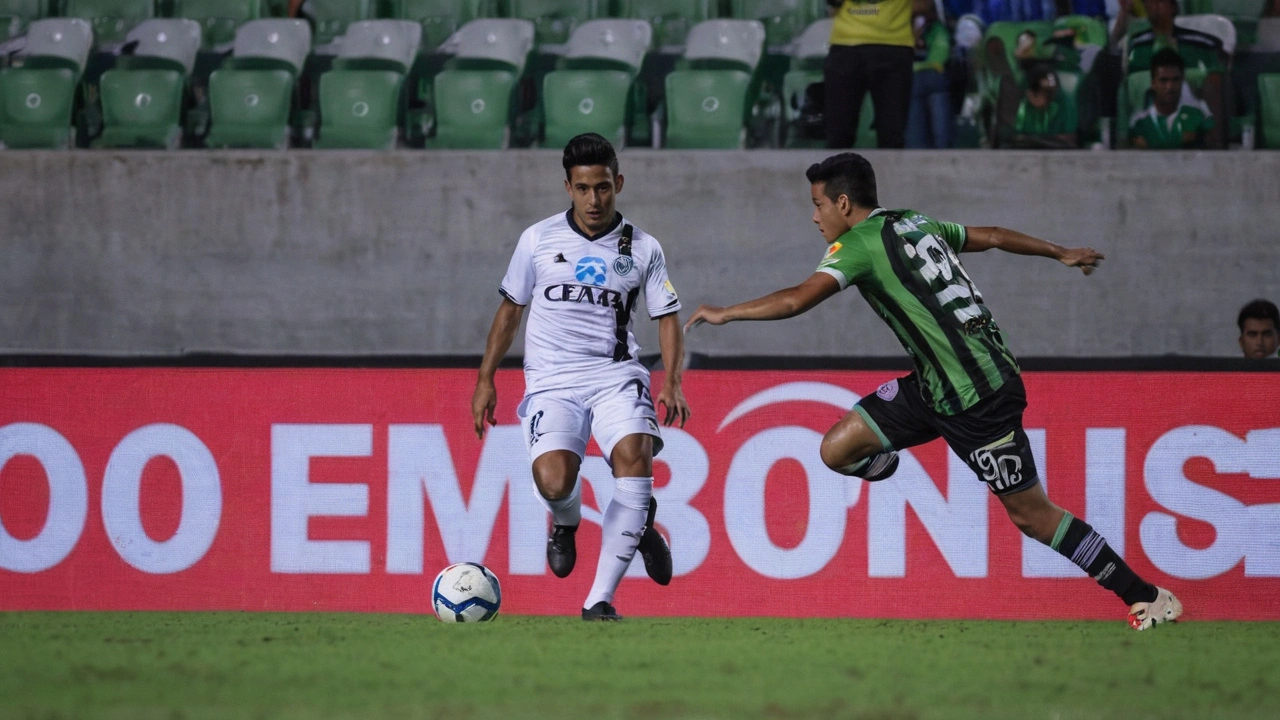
(466,592)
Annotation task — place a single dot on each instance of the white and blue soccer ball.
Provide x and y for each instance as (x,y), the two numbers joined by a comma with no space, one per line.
(466,592)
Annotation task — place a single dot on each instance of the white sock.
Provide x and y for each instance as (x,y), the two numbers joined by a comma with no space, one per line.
(568,509)
(623,521)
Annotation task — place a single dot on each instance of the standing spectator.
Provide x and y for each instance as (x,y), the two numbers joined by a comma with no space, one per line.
(1043,120)
(1176,119)
(1259,324)
(872,49)
(929,121)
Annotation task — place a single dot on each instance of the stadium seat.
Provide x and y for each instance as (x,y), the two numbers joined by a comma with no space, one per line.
(609,44)
(251,95)
(783,19)
(579,101)
(37,100)
(1007,32)
(706,108)
(1216,25)
(670,19)
(553,20)
(439,18)
(805,70)
(473,95)
(708,98)
(1269,110)
(333,16)
(219,18)
(360,99)
(111,19)
(1244,15)
(143,95)
(16,15)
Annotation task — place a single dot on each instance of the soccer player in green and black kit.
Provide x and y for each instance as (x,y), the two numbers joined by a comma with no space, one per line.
(966,386)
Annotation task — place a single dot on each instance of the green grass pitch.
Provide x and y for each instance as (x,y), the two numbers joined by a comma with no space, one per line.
(313,665)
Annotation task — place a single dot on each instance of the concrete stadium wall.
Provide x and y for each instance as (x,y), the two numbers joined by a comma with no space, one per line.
(401,253)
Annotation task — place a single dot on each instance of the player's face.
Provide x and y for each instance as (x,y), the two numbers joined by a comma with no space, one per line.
(592,188)
(827,214)
(1166,85)
(1259,338)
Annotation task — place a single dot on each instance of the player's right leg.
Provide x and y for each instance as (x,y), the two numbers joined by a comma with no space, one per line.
(556,430)
(865,442)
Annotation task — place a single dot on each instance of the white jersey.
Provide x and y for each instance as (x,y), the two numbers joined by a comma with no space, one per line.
(581,295)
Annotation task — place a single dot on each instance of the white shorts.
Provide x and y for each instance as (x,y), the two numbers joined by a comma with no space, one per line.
(566,419)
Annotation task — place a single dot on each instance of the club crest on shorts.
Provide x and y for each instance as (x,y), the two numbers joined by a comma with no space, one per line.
(888,391)
(623,264)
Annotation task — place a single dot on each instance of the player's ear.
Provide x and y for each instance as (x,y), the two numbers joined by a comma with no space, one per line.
(567,187)
(617,184)
(844,204)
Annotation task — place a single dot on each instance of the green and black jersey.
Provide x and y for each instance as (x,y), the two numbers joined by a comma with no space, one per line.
(906,265)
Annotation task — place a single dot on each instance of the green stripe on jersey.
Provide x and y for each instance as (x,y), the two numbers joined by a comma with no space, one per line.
(906,265)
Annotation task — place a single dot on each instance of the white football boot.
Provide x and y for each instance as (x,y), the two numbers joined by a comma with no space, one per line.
(1164,609)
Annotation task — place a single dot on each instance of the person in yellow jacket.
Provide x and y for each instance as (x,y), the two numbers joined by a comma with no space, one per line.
(872,50)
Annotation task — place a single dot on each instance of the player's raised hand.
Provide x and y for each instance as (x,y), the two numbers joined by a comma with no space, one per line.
(483,403)
(1087,259)
(709,314)
(675,407)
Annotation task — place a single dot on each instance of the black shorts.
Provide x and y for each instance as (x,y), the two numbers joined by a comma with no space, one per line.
(988,436)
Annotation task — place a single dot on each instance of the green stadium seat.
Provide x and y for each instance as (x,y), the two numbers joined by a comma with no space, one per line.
(58,43)
(609,44)
(783,20)
(439,18)
(706,108)
(805,70)
(671,20)
(333,16)
(219,18)
(553,20)
(473,109)
(111,19)
(1269,110)
(144,94)
(360,99)
(16,15)
(1216,25)
(359,109)
(491,43)
(579,101)
(36,107)
(1007,32)
(251,95)
(1244,15)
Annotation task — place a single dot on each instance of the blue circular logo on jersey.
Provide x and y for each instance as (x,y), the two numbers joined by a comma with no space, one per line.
(592,271)
(623,265)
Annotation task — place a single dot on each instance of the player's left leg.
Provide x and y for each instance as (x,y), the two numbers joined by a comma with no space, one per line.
(990,438)
(864,443)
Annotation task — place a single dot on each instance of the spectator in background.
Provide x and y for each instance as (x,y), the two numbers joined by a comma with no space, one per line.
(929,120)
(1176,119)
(1259,324)
(1272,9)
(1201,53)
(872,50)
(294,7)
(1043,120)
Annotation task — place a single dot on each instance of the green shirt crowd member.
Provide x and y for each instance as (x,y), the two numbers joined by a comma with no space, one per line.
(1044,120)
(1176,119)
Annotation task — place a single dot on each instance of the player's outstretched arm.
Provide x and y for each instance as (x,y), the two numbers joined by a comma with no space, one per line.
(501,334)
(774,306)
(979,239)
(671,340)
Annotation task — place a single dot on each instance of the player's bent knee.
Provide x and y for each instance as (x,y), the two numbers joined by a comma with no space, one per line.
(838,454)
(555,474)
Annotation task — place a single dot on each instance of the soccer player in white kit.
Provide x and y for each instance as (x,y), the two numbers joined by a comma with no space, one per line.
(580,273)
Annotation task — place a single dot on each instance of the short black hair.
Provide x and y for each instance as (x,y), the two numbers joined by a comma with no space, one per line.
(589,149)
(1168,57)
(1259,310)
(846,174)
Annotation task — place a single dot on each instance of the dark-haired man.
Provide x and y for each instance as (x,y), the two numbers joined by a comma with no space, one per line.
(580,273)
(1259,324)
(1175,119)
(966,386)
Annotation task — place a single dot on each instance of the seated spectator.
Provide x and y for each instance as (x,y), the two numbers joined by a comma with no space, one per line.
(929,119)
(1201,53)
(1259,324)
(1043,120)
(1176,119)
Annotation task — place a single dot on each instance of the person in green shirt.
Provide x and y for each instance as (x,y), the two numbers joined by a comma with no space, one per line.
(1176,119)
(1202,56)
(929,120)
(1043,121)
(966,387)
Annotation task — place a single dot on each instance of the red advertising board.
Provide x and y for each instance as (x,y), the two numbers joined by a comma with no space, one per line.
(342,489)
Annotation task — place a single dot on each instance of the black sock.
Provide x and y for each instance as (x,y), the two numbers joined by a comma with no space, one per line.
(1078,542)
